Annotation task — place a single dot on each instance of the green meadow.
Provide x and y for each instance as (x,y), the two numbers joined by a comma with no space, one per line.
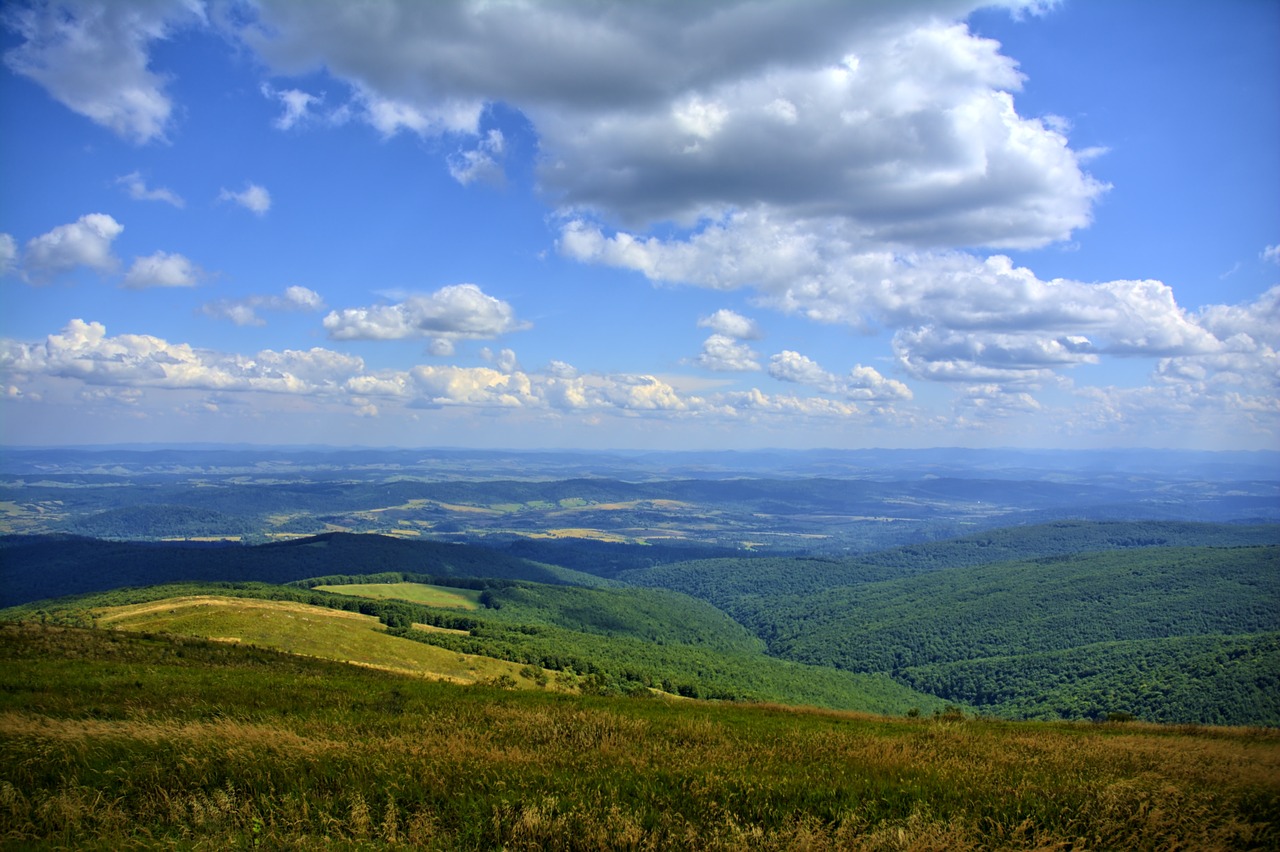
(422,593)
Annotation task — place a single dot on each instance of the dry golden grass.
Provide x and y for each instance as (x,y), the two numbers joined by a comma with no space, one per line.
(298,628)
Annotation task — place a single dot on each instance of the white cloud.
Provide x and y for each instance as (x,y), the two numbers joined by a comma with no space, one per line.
(1247,359)
(245,311)
(480,163)
(861,383)
(790,366)
(644,113)
(162,270)
(474,386)
(723,353)
(756,402)
(139,191)
(93,58)
(1271,253)
(731,324)
(85,242)
(83,351)
(1012,318)
(8,253)
(1017,358)
(455,312)
(866,383)
(390,115)
(986,401)
(253,198)
(504,359)
(297,105)
(121,367)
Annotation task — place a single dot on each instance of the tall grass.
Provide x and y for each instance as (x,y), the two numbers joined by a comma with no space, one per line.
(112,741)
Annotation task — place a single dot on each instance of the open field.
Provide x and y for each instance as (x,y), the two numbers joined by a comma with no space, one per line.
(306,630)
(428,595)
(113,740)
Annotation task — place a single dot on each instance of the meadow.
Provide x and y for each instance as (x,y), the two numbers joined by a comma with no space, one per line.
(114,740)
(421,593)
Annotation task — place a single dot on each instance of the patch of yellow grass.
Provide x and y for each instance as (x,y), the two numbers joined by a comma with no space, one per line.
(310,631)
(439,596)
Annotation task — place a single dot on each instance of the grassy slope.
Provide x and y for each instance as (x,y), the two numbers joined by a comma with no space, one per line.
(300,629)
(110,740)
(681,660)
(423,593)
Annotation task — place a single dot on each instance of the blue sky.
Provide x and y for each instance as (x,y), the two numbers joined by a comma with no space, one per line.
(678,226)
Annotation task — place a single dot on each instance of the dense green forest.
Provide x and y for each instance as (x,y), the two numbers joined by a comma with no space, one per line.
(1023,607)
(1216,680)
(36,567)
(723,581)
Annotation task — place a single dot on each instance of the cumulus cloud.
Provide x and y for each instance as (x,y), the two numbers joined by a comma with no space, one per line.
(789,366)
(253,198)
(93,58)
(1003,316)
(245,311)
(861,383)
(731,324)
(1246,359)
(723,353)
(85,352)
(867,383)
(162,270)
(139,191)
(84,242)
(128,364)
(650,113)
(455,312)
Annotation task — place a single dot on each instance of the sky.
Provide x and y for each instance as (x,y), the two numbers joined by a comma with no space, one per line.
(629,224)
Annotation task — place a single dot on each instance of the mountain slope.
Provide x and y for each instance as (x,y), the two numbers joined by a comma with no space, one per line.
(38,567)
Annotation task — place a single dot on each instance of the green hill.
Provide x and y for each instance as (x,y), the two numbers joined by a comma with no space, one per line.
(1011,608)
(723,581)
(1218,680)
(37,567)
(632,640)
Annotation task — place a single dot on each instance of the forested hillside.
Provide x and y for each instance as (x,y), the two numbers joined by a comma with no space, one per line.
(1020,622)
(36,567)
(1215,680)
(723,581)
